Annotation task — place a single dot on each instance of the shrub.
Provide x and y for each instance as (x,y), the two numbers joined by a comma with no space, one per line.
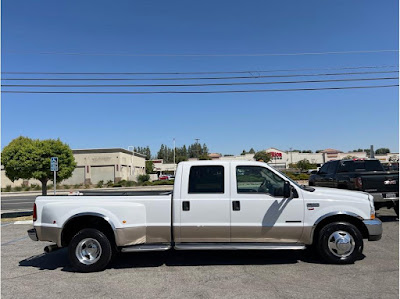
(109,183)
(117,185)
(87,186)
(8,188)
(50,186)
(26,188)
(122,182)
(130,183)
(143,178)
(18,188)
(66,186)
(77,186)
(37,187)
(100,184)
(171,182)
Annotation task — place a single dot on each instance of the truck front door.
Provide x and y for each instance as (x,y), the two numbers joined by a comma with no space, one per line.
(259,212)
(205,202)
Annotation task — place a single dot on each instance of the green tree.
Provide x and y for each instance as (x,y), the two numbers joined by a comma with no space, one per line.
(382,151)
(305,165)
(252,151)
(204,157)
(149,167)
(243,153)
(349,157)
(24,158)
(262,156)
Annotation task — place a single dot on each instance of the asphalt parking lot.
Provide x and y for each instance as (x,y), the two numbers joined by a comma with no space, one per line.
(27,272)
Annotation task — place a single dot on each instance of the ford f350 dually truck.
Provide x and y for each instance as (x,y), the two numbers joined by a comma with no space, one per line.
(215,205)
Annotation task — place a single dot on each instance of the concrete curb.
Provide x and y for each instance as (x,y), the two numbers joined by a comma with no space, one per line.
(15,214)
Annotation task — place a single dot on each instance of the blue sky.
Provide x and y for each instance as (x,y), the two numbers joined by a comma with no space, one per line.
(228,123)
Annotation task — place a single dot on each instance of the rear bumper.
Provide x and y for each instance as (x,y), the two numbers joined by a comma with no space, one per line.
(381,197)
(374,229)
(33,235)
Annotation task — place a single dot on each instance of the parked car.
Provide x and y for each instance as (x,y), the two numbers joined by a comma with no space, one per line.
(215,205)
(163,177)
(364,175)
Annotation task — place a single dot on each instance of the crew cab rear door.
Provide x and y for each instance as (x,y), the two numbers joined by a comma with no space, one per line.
(205,203)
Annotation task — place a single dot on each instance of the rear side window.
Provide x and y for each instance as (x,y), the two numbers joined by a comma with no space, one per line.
(206,179)
(368,165)
(346,166)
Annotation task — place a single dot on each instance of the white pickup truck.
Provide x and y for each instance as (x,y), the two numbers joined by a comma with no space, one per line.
(215,205)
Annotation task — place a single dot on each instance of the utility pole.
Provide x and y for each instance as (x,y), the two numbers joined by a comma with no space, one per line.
(174,156)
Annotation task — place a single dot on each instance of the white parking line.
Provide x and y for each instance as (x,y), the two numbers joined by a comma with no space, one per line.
(24,222)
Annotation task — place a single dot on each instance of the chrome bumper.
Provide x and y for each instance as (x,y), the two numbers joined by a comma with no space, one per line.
(374,229)
(33,235)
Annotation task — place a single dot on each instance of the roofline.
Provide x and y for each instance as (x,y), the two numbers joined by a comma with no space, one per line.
(106,150)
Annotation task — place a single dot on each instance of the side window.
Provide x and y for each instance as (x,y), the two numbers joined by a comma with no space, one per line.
(332,167)
(206,179)
(324,169)
(256,179)
(346,166)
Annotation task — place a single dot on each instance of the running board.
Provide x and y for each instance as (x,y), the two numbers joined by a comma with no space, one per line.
(239,246)
(146,247)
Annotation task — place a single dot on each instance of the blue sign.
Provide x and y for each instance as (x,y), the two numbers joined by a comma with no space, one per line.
(54,164)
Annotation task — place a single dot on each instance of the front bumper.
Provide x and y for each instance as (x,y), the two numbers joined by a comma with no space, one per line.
(33,235)
(374,228)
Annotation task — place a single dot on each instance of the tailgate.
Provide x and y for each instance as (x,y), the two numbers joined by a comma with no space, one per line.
(380,183)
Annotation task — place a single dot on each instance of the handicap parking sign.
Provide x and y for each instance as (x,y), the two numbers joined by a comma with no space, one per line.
(54,164)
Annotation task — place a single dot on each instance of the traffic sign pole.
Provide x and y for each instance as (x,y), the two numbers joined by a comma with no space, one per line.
(54,168)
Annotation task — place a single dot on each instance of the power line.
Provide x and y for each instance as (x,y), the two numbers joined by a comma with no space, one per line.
(197,92)
(196,73)
(199,84)
(197,78)
(204,55)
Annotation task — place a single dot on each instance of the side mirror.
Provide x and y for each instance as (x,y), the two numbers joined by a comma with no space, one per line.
(287,192)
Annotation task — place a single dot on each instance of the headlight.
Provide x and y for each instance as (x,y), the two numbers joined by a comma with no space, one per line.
(372,206)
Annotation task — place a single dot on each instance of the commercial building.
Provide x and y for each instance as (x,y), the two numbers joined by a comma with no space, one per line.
(283,159)
(94,165)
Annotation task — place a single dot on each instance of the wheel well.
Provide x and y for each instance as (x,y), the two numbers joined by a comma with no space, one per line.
(74,225)
(341,218)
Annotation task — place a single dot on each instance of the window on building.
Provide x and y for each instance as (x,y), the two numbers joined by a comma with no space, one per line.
(206,179)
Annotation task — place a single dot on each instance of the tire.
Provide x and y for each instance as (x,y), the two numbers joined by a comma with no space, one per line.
(396,208)
(89,250)
(340,243)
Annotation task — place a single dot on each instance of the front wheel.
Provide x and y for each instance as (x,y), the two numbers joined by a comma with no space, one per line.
(89,250)
(340,243)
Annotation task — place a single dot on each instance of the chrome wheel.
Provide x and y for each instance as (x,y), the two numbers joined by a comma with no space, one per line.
(341,244)
(88,251)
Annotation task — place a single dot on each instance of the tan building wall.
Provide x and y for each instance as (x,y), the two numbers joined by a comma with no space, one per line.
(94,165)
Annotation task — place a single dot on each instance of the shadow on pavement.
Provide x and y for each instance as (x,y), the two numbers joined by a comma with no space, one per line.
(59,259)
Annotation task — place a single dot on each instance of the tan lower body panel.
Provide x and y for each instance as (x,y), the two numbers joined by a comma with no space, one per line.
(141,235)
(52,234)
(260,234)
(281,234)
(203,234)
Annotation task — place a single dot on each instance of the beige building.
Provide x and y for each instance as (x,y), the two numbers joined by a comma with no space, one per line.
(282,159)
(94,165)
